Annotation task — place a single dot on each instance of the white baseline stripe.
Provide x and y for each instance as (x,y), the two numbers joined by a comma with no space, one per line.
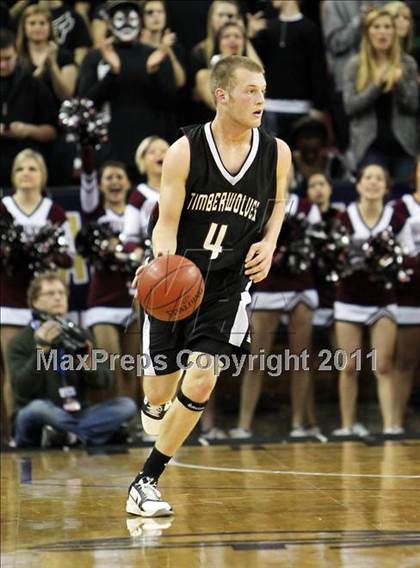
(282,472)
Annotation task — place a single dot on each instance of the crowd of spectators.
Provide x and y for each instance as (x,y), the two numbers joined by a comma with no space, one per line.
(147,64)
(342,91)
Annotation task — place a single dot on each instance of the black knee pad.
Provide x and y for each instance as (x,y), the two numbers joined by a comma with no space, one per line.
(190,404)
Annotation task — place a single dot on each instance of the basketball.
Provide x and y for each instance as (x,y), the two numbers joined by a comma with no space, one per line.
(170,288)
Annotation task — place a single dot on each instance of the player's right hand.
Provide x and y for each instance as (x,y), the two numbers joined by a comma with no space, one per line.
(137,276)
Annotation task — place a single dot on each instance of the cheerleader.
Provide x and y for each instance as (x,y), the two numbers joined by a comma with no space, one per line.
(296,296)
(319,192)
(149,160)
(109,312)
(362,302)
(32,210)
(408,312)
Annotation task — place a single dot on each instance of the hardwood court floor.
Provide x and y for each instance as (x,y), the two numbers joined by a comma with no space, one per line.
(292,505)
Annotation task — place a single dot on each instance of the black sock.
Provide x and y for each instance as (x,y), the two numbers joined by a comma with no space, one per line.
(155,464)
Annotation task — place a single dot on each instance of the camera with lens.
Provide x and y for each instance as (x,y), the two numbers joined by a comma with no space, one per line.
(72,338)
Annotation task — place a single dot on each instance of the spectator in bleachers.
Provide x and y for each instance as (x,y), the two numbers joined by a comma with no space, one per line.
(381,99)
(26,106)
(110,315)
(29,208)
(291,50)
(52,401)
(371,305)
(341,24)
(294,296)
(70,29)
(406,28)
(156,34)
(230,40)
(135,79)
(311,154)
(403,18)
(48,61)
(99,27)
(408,313)
(220,12)
(55,67)
(180,15)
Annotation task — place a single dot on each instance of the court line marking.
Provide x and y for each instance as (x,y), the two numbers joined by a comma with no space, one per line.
(283,472)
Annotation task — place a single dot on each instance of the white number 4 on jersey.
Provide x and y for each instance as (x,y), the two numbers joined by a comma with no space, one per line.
(214,241)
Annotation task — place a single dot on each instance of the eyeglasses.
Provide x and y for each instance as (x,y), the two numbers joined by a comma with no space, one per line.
(151,11)
(53,293)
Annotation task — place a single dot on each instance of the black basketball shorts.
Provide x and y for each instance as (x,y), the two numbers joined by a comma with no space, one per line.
(220,326)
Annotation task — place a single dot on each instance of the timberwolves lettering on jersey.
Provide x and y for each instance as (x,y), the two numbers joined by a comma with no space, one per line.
(226,201)
(224,214)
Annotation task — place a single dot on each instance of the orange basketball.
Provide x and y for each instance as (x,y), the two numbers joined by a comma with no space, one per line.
(170,288)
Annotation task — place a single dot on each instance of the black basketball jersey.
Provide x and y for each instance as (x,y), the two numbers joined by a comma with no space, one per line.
(224,214)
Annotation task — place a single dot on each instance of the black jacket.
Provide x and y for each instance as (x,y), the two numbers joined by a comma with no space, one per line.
(23,98)
(138,100)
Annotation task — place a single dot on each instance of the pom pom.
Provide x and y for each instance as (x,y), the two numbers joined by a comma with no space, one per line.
(45,247)
(11,246)
(331,241)
(37,253)
(83,123)
(384,259)
(295,250)
(97,243)
(381,257)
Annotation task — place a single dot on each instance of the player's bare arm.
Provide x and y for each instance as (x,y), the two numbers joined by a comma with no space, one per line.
(172,195)
(260,254)
(171,201)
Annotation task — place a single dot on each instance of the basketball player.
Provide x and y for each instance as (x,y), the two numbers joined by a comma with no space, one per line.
(221,205)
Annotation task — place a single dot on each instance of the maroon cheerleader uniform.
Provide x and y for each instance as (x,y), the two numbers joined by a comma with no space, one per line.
(359,299)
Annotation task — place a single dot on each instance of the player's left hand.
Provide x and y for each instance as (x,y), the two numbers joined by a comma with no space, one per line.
(258,260)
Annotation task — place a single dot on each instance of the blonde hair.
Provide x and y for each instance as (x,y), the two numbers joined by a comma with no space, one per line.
(394,8)
(35,286)
(207,45)
(223,73)
(367,62)
(21,39)
(142,149)
(29,154)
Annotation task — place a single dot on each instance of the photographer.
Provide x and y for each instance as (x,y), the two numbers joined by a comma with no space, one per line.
(51,402)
